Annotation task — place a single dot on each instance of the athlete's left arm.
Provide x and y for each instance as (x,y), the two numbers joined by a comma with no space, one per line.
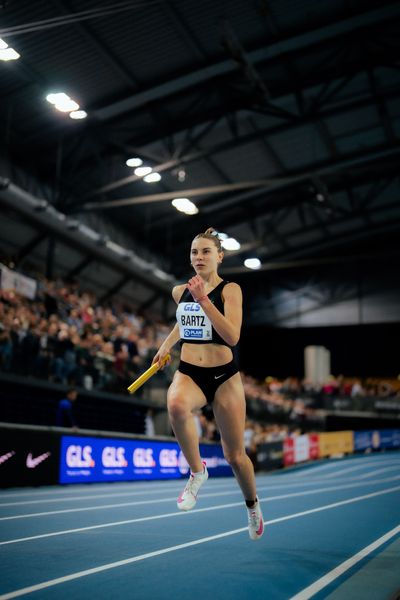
(228,325)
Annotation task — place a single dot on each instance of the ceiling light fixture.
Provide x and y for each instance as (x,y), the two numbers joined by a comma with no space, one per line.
(134,162)
(62,102)
(252,263)
(185,205)
(231,244)
(7,53)
(142,171)
(152,177)
(78,114)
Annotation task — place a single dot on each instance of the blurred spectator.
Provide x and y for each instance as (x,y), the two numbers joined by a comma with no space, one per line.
(149,427)
(50,301)
(331,386)
(197,414)
(6,349)
(356,389)
(65,416)
(385,389)
(249,442)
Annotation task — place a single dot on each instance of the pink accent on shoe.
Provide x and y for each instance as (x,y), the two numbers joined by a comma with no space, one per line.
(187,499)
(255,519)
(261,528)
(180,499)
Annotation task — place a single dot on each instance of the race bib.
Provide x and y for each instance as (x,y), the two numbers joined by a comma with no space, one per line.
(193,322)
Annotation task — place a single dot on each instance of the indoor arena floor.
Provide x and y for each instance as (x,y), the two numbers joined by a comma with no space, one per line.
(332,531)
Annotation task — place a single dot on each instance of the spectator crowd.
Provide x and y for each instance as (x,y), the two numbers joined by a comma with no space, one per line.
(66,335)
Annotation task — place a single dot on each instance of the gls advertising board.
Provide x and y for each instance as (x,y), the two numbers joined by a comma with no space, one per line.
(89,459)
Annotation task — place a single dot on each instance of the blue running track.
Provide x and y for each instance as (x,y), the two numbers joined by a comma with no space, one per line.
(332,531)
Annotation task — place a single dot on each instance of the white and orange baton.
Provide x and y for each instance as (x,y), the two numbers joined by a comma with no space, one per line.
(146,375)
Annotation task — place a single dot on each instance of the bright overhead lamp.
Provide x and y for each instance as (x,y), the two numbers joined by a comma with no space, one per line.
(62,102)
(152,177)
(78,114)
(230,244)
(67,106)
(134,162)
(142,171)
(252,263)
(185,205)
(58,97)
(7,54)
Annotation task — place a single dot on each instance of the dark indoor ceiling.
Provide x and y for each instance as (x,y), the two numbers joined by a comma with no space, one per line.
(280,119)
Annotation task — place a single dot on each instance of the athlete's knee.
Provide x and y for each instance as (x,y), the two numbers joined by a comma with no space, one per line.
(236,458)
(177,407)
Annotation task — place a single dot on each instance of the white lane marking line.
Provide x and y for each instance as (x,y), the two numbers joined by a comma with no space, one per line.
(92,497)
(153,486)
(119,505)
(291,481)
(116,523)
(177,487)
(353,468)
(138,503)
(75,488)
(211,538)
(77,498)
(376,471)
(316,469)
(176,513)
(233,490)
(160,500)
(340,463)
(324,581)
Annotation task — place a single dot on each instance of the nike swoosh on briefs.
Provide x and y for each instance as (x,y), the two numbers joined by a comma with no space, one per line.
(219,376)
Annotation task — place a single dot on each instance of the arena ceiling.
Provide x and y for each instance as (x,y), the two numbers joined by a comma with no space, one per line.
(279,119)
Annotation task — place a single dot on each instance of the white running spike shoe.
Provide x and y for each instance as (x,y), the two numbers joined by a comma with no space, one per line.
(256,521)
(187,500)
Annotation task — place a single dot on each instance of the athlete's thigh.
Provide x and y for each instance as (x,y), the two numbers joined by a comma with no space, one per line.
(185,391)
(230,412)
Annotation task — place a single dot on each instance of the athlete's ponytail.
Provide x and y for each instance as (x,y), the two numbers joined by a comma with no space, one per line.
(211,234)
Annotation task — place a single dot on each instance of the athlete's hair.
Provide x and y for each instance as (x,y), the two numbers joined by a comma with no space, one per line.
(211,234)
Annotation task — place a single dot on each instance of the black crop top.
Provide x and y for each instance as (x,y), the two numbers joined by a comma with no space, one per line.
(194,325)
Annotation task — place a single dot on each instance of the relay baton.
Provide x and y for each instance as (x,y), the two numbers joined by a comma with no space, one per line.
(146,375)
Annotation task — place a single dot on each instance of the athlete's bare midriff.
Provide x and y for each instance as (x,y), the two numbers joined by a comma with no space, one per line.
(206,355)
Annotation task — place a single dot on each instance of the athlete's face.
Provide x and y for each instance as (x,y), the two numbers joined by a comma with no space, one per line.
(204,256)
